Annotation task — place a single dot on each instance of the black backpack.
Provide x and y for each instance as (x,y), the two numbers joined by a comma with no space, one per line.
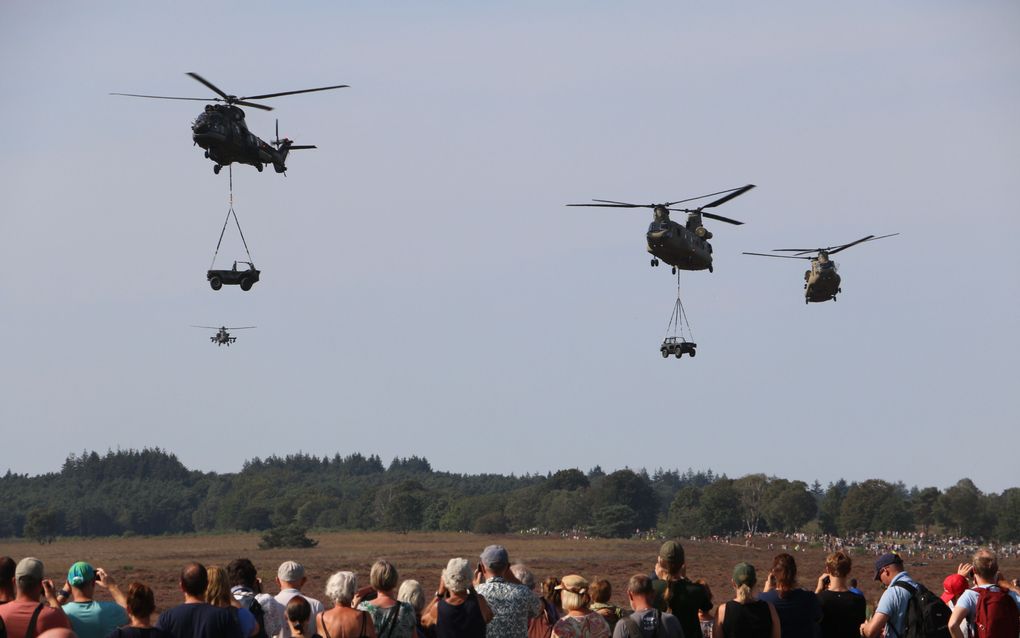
(260,615)
(927,615)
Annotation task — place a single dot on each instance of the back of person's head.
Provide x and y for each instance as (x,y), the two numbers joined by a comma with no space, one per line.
(28,575)
(7,567)
(708,590)
(574,593)
(383,576)
(838,564)
(640,585)
(550,591)
(744,579)
(601,591)
(194,580)
(341,586)
(986,565)
(298,612)
(217,592)
(410,592)
(524,575)
(457,575)
(241,572)
(672,557)
(140,601)
(784,568)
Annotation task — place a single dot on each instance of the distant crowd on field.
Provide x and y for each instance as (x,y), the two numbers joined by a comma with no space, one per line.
(496,598)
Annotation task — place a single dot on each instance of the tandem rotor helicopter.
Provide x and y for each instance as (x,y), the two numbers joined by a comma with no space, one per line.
(682,247)
(821,283)
(222,336)
(221,130)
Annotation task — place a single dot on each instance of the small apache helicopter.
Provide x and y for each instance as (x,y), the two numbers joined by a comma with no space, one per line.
(821,283)
(222,132)
(684,247)
(222,337)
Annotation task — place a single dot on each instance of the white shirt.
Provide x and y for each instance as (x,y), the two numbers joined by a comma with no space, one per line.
(284,597)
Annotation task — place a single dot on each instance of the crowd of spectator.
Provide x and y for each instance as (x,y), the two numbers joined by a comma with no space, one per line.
(496,598)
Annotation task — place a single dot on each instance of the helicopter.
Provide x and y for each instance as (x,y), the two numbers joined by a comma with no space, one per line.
(821,283)
(682,247)
(222,337)
(221,130)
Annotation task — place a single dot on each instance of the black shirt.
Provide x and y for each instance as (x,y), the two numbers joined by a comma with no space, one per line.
(747,620)
(842,614)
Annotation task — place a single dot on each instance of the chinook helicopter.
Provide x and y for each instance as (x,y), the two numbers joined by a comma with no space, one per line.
(221,130)
(222,337)
(682,247)
(821,283)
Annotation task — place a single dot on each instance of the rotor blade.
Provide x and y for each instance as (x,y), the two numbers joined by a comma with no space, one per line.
(609,201)
(298,147)
(208,327)
(832,250)
(796,250)
(781,256)
(168,97)
(253,105)
(242,327)
(883,236)
(611,205)
(210,85)
(691,199)
(722,219)
(736,193)
(321,88)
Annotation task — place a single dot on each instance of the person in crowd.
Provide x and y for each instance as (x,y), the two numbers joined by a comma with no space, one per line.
(410,592)
(676,593)
(745,616)
(892,606)
(290,577)
(1001,607)
(952,588)
(217,594)
(798,609)
(601,593)
(246,589)
(91,618)
(842,610)
(195,618)
(25,611)
(551,594)
(706,618)
(456,611)
(853,587)
(512,604)
(646,621)
(7,567)
(579,621)
(541,625)
(343,621)
(140,603)
(298,614)
(392,618)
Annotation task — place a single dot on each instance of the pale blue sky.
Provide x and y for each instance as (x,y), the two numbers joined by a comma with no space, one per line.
(426,292)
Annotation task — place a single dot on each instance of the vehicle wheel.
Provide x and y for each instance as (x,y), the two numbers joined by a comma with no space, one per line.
(246,284)
(693,353)
(215,283)
(665,354)
(679,353)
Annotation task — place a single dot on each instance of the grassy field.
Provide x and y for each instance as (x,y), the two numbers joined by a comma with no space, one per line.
(156,561)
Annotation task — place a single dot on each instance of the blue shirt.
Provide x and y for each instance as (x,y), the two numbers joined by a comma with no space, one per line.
(200,620)
(95,619)
(799,612)
(894,603)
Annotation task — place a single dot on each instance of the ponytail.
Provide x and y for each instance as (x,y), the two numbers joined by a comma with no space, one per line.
(743,594)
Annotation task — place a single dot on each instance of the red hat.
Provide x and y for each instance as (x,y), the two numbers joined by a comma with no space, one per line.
(953,586)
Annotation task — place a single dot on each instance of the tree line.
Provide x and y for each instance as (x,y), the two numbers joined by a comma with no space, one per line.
(151,492)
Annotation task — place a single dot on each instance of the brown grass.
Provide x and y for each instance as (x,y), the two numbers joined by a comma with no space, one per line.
(156,561)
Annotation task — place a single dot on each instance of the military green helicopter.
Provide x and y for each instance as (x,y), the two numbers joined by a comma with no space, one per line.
(682,247)
(822,282)
(221,130)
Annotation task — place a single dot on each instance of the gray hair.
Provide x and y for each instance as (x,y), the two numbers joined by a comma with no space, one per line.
(457,575)
(383,576)
(341,586)
(410,592)
(524,575)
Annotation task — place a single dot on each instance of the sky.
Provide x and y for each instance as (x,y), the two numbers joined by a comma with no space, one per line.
(426,292)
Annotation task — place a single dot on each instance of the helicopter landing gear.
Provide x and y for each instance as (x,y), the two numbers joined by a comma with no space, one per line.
(216,169)
(654,262)
(674,270)
(710,268)
(259,167)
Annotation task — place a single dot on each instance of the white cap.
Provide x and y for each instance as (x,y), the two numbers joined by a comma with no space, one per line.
(290,572)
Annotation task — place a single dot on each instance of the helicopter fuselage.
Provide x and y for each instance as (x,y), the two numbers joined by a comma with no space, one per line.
(222,132)
(684,247)
(821,283)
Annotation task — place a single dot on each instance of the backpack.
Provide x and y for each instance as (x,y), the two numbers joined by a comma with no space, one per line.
(260,615)
(995,615)
(631,628)
(927,614)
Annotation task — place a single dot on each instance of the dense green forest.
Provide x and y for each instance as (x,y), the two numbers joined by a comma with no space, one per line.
(152,492)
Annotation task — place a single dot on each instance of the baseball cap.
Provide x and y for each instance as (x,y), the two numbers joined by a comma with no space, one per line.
(573,583)
(744,574)
(29,570)
(884,561)
(953,586)
(672,552)
(495,555)
(81,573)
(290,571)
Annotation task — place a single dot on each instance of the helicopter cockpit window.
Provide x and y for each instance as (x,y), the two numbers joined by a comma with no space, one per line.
(827,265)
(657,226)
